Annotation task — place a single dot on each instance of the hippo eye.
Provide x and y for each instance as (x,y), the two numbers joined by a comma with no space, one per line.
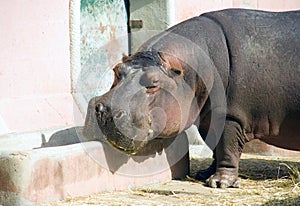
(122,75)
(175,72)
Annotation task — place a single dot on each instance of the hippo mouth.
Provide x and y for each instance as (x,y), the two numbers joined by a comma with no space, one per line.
(127,144)
(130,151)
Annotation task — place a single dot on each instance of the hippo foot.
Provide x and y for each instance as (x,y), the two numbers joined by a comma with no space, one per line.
(224,178)
(203,175)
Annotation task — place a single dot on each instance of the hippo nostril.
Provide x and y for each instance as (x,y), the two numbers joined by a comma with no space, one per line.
(120,114)
(100,108)
(103,114)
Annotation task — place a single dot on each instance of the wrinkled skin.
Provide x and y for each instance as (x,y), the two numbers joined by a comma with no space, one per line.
(234,73)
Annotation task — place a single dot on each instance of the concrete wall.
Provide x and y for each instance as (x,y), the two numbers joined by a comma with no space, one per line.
(192,8)
(103,40)
(34,65)
(155,17)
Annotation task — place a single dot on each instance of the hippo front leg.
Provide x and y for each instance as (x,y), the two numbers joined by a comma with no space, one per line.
(227,154)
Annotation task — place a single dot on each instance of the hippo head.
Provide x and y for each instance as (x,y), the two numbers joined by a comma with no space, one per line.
(154,95)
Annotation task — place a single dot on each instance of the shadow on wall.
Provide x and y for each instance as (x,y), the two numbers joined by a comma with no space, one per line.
(175,150)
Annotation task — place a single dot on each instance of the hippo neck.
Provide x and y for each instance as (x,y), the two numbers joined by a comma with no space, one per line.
(219,51)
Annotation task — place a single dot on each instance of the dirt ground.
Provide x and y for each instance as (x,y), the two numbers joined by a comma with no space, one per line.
(264,181)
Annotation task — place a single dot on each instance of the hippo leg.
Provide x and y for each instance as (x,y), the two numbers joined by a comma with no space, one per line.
(228,153)
(206,173)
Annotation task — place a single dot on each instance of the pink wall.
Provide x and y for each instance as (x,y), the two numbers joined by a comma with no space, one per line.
(34,65)
(35,47)
(190,8)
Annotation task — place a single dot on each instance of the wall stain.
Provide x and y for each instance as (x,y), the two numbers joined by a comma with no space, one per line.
(103,28)
(112,34)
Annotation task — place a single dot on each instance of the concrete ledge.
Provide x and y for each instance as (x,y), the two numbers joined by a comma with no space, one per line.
(54,173)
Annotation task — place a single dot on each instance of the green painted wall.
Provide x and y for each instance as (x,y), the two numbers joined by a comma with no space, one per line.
(101,21)
(154,14)
(103,39)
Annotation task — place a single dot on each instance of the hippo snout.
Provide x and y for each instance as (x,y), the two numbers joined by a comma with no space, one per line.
(118,129)
(105,116)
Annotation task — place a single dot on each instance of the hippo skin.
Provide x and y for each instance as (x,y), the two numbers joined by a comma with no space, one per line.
(233,73)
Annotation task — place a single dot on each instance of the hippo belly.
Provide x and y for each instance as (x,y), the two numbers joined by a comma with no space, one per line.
(289,135)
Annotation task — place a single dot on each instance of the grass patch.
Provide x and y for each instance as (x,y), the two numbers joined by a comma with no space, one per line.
(294,173)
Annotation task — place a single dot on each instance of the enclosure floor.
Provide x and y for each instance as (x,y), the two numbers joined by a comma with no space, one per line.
(264,181)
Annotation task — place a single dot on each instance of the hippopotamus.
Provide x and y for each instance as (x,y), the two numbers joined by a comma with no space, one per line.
(233,73)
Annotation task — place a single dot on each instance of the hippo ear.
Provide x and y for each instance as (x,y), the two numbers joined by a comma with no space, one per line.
(116,76)
(119,71)
(125,58)
(172,64)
